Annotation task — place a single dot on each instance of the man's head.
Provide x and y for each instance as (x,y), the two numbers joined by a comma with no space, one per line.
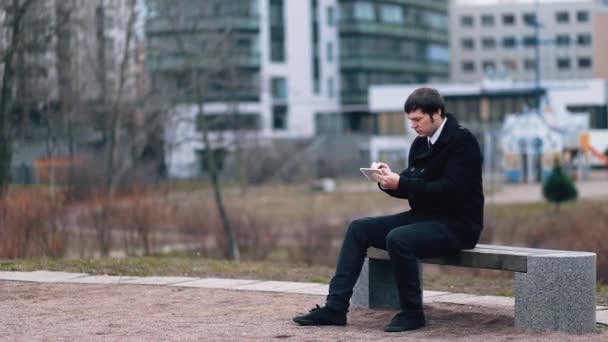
(425,110)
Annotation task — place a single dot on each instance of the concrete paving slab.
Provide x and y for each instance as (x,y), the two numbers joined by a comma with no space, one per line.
(601,317)
(429,294)
(158,280)
(322,290)
(450,298)
(276,286)
(216,283)
(489,301)
(40,276)
(98,279)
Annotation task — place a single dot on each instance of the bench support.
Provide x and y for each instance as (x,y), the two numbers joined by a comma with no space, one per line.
(557,293)
(376,287)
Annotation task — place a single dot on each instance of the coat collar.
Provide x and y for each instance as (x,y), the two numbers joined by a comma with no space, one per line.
(446,134)
(448,130)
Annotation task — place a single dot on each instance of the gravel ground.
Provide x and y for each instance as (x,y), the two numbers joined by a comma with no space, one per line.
(80,312)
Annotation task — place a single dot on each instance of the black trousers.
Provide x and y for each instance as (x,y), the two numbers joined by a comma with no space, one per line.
(406,237)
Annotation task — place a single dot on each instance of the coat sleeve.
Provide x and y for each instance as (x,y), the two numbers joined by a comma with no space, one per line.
(397,193)
(463,163)
(394,193)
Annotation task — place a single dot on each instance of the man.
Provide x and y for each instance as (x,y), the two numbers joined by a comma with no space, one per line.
(444,189)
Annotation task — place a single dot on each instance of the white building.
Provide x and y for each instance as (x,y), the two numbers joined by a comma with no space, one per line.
(499,36)
(290,65)
(300,82)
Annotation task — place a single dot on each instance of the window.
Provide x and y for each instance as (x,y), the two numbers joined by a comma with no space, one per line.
(510,64)
(563,63)
(330,87)
(279,117)
(330,51)
(392,14)
(584,62)
(529,64)
(582,16)
(487,20)
(583,39)
(508,42)
(468,66)
(364,11)
(562,40)
(438,53)
(279,88)
(529,19)
(277,31)
(488,43)
(466,21)
(435,20)
(330,16)
(508,19)
(467,44)
(529,41)
(562,17)
(488,66)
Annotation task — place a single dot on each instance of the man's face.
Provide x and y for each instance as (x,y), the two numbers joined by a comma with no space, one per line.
(422,123)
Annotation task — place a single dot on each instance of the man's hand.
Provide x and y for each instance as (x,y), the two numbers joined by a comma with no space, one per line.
(388,179)
(381,166)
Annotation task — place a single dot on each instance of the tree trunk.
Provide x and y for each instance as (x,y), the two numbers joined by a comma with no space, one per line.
(116,121)
(6,141)
(231,244)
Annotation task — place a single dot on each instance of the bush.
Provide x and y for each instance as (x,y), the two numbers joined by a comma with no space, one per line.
(33,224)
(559,188)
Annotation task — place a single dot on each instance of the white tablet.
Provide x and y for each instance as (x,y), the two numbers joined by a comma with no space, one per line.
(368,172)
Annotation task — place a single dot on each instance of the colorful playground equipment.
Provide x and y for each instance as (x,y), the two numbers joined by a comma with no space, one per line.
(531,142)
(588,148)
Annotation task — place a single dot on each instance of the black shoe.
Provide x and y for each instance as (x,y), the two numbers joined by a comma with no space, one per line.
(405,322)
(322,316)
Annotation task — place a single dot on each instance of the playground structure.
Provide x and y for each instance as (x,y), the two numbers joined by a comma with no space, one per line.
(531,142)
(586,145)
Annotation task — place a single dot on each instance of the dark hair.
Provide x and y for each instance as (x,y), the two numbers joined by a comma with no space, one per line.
(426,99)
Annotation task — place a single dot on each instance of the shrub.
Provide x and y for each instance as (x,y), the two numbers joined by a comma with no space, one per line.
(559,188)
(33,224)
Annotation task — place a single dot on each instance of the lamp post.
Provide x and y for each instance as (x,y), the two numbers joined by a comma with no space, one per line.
(537,57)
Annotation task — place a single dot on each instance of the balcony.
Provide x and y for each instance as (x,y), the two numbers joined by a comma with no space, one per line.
(392,63)
(168,63)
(163,26)
(381,29)
(441,6)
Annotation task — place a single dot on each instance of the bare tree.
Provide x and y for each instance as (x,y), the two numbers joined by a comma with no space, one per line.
(14,13)
(201,53)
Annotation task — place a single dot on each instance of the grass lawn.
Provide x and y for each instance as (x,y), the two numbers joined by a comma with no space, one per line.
(437,278)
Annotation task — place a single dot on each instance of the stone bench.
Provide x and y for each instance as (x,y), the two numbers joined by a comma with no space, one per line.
(554,289)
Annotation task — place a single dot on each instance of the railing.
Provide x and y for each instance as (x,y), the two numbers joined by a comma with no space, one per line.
(405,31)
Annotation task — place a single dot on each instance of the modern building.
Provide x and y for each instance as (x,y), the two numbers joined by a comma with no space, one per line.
(303,66)
(501,37)
(483,108)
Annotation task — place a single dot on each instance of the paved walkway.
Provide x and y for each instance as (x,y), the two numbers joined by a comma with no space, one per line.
(254,285)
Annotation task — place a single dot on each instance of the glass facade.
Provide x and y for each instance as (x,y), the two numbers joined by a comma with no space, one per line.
(385,42)
(182,53)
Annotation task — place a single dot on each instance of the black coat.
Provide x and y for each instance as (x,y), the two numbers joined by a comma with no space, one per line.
(443,183)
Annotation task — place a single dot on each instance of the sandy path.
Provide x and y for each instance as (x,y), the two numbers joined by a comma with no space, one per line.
(76,312)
